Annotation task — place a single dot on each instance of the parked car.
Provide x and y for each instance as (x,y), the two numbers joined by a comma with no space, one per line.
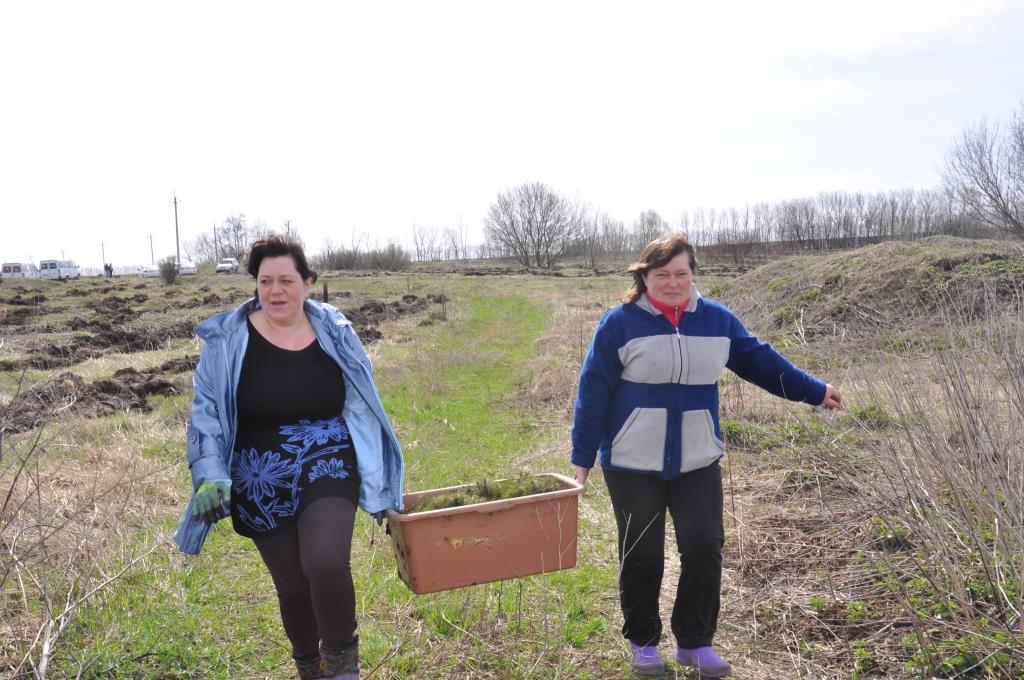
(149,271)
(186,268)
(227,265)
(58,269)
(19,270)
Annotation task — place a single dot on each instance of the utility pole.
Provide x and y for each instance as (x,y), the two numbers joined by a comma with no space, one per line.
(104,251)
(177,246)
(216,245)
(152,260)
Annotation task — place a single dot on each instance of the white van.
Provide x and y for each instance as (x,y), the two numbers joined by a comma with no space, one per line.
(58,269)
(18,270)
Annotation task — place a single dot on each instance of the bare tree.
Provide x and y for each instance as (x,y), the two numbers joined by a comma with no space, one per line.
(235,231)
(648,226)
(424,241)
(200,249)
(534,223)
(590,245)
(984,173)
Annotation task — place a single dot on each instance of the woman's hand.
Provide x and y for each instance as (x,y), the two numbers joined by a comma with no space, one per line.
(580,475)
(212,499)
(833,397)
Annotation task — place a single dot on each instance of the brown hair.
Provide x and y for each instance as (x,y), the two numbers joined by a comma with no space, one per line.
(277,246)
(658,253)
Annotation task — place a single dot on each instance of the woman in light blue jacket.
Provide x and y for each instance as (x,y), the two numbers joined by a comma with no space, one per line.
(287,434)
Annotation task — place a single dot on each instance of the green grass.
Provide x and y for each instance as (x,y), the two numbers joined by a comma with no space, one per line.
(453,407)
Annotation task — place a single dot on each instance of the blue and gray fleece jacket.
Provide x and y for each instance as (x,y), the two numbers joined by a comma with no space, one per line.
(648,393)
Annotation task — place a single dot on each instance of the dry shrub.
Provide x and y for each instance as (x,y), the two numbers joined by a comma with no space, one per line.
(168,271)
(949,505)
(64,524)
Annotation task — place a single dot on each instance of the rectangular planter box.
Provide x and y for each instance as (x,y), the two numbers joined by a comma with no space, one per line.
(483,542)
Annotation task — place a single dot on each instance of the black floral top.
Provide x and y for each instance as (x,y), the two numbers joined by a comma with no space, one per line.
(292,446)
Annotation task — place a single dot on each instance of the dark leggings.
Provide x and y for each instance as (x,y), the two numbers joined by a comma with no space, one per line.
(695,501)
(309,562)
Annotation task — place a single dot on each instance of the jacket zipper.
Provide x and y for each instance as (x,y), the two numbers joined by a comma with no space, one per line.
(674,442)
(677,414)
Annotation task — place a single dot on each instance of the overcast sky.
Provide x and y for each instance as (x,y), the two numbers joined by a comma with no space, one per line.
(372,117)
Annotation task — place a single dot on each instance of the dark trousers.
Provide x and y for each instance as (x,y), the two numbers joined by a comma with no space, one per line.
(309,562)
(695,501)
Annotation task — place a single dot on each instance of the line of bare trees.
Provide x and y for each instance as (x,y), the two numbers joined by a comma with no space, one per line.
(231,238)
(234,236)
(982,195)
(537,227)
(450,243)
(361,254)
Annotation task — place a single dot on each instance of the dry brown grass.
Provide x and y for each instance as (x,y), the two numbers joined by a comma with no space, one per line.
(71,525)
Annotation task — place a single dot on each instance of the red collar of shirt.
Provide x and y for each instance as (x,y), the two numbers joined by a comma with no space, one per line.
(672,312)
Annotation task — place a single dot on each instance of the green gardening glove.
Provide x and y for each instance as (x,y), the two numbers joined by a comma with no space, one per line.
(212,500)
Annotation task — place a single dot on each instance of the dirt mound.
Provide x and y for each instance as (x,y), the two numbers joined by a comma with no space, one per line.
(68,393)
(179,365)
(114,309)
(102,338)
(17,316)
(366,318)
(876,287)
(19,299)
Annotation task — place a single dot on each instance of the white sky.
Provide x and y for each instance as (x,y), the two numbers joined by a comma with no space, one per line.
(372,117)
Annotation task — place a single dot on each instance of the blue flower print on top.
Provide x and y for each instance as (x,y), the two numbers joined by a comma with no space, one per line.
(316,431)
(328,468)
(270,484)
(258,473)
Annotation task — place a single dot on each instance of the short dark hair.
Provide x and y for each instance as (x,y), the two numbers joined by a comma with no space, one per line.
(277,246)
(658,253)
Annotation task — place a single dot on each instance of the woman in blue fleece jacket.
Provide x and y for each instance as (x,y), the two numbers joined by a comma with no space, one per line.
(647,404)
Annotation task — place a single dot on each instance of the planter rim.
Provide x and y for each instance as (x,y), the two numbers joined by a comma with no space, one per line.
(572,488)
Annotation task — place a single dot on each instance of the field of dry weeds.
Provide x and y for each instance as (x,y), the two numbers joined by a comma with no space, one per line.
(885,540)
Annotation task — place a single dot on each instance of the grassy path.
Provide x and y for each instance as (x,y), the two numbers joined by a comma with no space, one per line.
(451,404)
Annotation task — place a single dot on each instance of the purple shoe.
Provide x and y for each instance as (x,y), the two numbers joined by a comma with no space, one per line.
(705,660)
(647,660)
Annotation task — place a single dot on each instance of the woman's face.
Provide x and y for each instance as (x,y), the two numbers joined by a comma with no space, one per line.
(670,284)
(281,289)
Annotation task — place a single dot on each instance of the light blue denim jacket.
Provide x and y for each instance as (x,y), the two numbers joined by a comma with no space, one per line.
(213,419)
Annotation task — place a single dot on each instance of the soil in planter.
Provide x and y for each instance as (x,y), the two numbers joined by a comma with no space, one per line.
(484,491)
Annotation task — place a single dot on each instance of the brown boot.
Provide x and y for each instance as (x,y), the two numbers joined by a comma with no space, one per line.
(310,670)
(341,664)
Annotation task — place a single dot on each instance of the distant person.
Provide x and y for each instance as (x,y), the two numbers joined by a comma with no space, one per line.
(287,434)
(648,405)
